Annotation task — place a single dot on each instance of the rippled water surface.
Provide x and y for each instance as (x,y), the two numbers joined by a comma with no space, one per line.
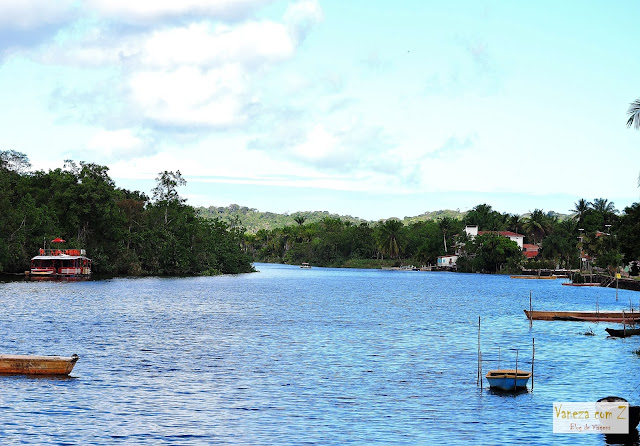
(295,356)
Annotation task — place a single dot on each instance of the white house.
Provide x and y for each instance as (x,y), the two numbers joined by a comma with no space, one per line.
(447,261)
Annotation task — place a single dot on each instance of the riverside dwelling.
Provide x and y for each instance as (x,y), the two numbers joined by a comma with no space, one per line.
(528,250)
(448,261)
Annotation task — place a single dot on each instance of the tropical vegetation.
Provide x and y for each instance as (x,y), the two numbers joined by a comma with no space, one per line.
(124,232)
(593,228)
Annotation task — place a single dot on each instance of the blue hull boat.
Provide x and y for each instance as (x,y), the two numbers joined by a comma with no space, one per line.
(508,380)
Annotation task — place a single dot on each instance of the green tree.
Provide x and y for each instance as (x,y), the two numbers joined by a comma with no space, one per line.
(166,191)
(580,209)
(634,115)
(629,233)
(485,218)
(391,238)
(538,225)
(490,253)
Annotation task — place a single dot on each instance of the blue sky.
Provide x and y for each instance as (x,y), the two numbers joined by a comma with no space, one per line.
(373,109)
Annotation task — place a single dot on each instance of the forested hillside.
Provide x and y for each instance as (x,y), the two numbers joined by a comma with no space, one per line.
(124,232)
(596,229)
(254,220)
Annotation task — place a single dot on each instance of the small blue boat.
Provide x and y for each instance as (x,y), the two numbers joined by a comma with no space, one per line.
(509,380)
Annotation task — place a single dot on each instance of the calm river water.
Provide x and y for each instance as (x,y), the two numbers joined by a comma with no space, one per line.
(289,356)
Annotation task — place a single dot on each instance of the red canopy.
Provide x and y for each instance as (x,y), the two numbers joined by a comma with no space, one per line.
(57,240)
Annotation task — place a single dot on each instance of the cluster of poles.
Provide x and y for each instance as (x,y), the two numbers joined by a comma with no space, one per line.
(533,356)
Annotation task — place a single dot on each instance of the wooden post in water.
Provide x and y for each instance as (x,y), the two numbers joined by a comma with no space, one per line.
(479,379)
(530,311)
(533,358)
(515,383)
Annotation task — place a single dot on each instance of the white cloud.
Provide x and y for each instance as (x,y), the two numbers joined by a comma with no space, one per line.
(26,14)
(121,144)
(147,11)
(251,43)
(302,16)
(188,96)
(190,76)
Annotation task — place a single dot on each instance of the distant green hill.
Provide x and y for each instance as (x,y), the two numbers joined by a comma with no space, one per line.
(254,220)
(435,215)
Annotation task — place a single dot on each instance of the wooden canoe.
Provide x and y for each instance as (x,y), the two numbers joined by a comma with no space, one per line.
(36,365)
(623,333)
(582,284)
(508,379)
(584,316)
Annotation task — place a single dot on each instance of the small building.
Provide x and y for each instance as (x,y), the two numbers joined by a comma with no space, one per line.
(530,251)
(448,261)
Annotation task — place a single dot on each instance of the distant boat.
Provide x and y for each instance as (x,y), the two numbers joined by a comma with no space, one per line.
(623,333)
(508,379)
(36,365)
(584,316)
(534,277)
(582,284)
(305,265)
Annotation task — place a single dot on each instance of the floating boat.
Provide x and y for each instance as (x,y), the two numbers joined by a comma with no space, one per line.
(582,284)
(60,262)
(584,316)
(623,333)
(508,379)
(36,365)
(305,265)
(534,277)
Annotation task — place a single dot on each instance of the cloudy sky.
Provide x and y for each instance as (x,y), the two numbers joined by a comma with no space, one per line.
(369,108)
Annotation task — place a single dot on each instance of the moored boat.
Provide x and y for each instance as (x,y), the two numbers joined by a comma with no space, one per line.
(584,316)
(623,333)
(36,365)
(582,284)
(60,262)
(305,265)
(508,379)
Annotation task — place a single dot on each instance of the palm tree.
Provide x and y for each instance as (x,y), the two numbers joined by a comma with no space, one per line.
(634,119)
(515,223)
(299,219)
(603,206)
(581,208)
(634,115)
(391,237)
(538,225)
(445,224)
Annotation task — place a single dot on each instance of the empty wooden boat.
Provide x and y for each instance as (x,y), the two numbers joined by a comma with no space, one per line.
(508,379)
(584,316)
(36,365)
(623,332)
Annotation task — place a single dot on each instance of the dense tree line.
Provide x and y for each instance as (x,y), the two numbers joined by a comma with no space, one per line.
(596,228)
(124,232)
